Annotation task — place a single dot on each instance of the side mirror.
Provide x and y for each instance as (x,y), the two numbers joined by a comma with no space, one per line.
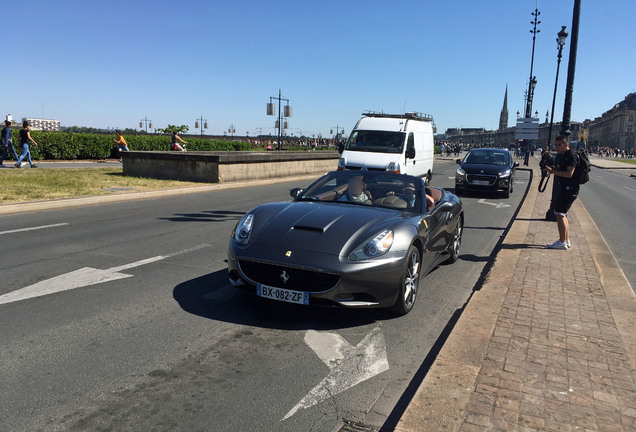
(516,164)
(445,207)
(459,161)
(295,192)
(410,152)
(340,148)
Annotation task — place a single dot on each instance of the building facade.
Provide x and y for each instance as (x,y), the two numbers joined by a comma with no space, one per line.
(42,124)
(615,128)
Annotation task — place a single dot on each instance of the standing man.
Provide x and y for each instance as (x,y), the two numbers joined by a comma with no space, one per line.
(567,189)
(25,138)
(7,142)
(121,142)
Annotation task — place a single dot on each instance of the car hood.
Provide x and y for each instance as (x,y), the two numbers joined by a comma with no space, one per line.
(487,169)
(321,227)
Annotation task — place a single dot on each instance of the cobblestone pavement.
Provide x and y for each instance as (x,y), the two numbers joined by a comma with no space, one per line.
(547,344)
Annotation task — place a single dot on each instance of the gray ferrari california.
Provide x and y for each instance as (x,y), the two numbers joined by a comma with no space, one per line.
(351,238)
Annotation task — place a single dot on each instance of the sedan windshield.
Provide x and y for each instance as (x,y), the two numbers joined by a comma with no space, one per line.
(367,188)
(376,141)
(487,158)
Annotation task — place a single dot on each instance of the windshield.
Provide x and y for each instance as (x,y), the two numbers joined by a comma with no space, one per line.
(487,158)
(376,141)
(367,188)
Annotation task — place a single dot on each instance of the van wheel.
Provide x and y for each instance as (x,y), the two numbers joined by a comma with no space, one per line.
(427,180)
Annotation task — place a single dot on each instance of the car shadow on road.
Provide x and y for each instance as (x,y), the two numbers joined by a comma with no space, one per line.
(205,216)
(211,296)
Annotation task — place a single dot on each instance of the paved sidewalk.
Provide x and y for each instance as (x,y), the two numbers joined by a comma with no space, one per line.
(547,344)
(618,167)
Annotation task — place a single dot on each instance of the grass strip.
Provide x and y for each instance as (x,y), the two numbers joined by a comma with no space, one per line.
(44,184)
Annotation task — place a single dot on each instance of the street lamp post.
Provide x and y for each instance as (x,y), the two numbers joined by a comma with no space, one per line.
(533,80)
(147,122)
(280,125)
(202,122)
(231,130)
(561,37)
(569,86)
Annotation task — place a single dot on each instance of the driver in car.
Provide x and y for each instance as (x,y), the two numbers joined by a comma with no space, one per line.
(356,191)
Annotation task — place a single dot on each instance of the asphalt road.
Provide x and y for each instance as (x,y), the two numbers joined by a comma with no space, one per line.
(610,199)
(141,331)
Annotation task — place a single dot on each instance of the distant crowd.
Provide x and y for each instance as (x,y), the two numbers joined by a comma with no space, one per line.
(612,152)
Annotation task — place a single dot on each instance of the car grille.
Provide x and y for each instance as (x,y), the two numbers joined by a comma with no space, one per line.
(299,279)
(355,168)
(491,179)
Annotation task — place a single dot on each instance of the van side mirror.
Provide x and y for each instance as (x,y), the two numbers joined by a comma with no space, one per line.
(410,152)
(459,161)
(516,164)
(340,147)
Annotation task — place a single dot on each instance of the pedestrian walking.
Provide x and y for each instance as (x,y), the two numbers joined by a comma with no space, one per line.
(175,142)
(567,189)
(7,142)
(25,138)
(121,142)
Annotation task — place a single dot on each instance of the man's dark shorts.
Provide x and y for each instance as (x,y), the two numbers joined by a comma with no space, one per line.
(565,199)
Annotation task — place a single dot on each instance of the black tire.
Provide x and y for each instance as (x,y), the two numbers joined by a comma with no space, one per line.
(459,192)
(506,193)
(409,283)
(512,185)
(456,242)
(427,180)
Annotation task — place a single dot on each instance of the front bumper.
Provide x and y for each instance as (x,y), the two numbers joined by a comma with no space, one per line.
(331,280)
(482,183)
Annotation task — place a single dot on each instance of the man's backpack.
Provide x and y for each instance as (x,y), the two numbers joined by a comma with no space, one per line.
(583,167)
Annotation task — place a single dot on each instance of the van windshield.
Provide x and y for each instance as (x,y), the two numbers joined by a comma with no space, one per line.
(376,141)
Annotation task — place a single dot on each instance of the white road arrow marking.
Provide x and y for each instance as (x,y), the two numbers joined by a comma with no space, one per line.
(499,205)
(348,365)
(85,276)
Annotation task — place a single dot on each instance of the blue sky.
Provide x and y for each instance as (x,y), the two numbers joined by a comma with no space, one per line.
(110,64)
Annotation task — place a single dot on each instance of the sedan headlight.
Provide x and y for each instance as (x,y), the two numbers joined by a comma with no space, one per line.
(460,172)
(506,173)
(244,229)
(373,247)
(341,164)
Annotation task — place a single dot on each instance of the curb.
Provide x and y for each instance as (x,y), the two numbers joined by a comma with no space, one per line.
(134,196)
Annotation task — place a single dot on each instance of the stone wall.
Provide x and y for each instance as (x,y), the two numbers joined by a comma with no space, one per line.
(219,167)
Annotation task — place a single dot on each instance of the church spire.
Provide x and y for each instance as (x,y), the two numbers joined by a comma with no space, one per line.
(503,117)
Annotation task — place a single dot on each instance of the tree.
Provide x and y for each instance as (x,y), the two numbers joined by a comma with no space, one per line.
(170,129)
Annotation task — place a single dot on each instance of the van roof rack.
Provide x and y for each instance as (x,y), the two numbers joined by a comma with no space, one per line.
(408,115)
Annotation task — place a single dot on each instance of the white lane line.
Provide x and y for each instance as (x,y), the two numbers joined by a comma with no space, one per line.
(32,228)
(628,188)
(85,276)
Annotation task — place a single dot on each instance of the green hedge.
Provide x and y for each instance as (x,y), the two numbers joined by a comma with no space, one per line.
(68,146)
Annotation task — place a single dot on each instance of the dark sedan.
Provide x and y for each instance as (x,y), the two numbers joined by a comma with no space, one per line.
(486,170)
(351,239)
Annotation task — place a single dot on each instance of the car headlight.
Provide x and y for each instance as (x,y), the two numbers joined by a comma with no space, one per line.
(393,167)
(341,164)
(244,229)
(506,173)
(460,171)
(373,247)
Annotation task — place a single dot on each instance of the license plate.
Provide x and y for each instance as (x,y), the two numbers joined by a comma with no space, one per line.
(481,182)
(281,294)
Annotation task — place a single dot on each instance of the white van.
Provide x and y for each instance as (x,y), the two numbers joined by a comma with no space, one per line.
(401,143)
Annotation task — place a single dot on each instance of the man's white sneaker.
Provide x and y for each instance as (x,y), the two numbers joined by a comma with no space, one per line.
(568,244)
(558,245)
